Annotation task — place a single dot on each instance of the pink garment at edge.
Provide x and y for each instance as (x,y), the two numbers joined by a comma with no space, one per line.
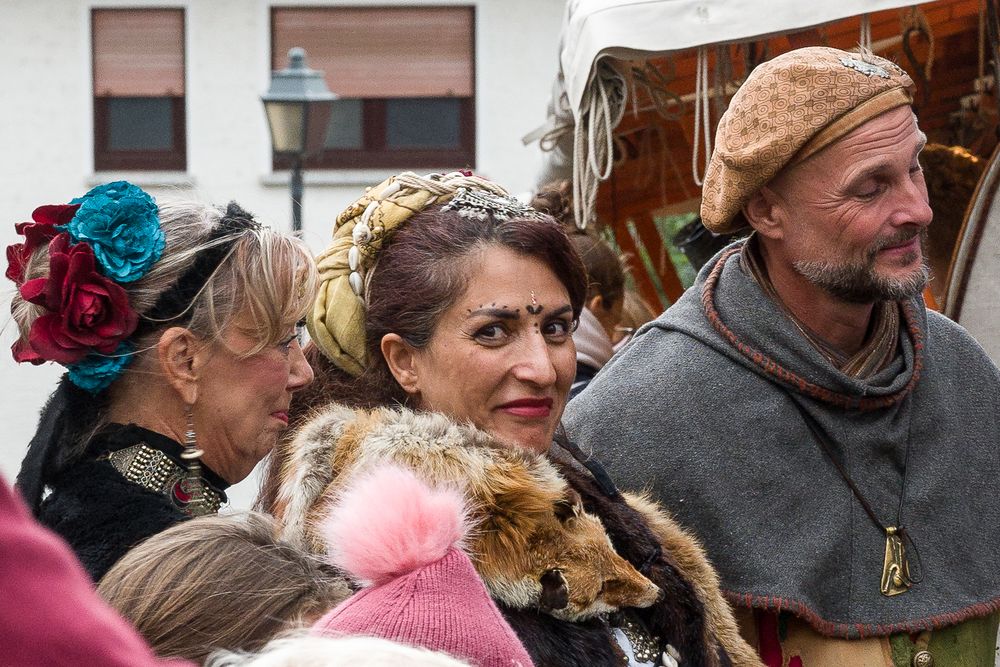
(394,531)
(49,612)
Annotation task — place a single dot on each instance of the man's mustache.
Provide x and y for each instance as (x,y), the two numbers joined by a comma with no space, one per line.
(904,235)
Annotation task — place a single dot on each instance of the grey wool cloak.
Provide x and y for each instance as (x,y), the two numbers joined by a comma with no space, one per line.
(697,409)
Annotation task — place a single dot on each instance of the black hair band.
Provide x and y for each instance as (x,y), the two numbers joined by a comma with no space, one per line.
(176,300)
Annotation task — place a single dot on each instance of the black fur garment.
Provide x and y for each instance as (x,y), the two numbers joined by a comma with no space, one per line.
(554,643)
(102,515)
(678,618)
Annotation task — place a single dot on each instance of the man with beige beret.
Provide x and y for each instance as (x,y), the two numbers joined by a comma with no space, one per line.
(835,445)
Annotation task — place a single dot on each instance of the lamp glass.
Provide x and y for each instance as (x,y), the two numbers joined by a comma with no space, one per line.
(318,124)
(287,121)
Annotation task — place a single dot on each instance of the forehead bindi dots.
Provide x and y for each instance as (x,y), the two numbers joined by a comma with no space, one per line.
(534,308)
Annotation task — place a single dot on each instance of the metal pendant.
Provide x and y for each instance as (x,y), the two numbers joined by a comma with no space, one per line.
(896,569)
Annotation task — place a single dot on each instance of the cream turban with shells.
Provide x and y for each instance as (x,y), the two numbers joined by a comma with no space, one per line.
(336,322)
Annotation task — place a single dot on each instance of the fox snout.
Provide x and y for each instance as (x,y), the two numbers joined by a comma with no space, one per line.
(577,594)
(637,591)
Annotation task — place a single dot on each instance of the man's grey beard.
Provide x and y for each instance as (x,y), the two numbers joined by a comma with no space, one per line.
(858,282)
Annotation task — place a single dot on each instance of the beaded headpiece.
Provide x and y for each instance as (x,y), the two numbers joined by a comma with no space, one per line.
(480,204)
(336,322)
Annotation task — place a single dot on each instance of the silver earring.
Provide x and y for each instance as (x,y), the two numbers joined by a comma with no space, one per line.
(191,453)
(191,456)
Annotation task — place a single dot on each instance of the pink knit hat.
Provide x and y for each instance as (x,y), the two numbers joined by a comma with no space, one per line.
(392,530)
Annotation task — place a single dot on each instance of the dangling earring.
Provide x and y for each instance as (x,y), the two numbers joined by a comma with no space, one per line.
(192,455)
(191,451)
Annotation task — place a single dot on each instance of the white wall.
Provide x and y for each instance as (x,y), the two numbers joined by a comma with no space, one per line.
(46,140)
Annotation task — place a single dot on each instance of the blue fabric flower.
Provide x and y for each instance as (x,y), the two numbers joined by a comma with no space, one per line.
(120,222)
(96,372)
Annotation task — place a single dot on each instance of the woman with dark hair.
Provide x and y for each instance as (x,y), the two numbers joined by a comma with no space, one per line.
(177,326)
(444,294)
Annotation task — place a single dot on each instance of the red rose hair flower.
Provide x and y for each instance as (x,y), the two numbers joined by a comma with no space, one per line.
(87,312)
(36,233)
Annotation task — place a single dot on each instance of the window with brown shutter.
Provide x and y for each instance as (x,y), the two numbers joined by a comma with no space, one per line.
(405,77)
(138,66)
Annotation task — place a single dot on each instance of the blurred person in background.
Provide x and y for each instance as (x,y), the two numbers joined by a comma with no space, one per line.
(50,615)
(597,330)
(635,312)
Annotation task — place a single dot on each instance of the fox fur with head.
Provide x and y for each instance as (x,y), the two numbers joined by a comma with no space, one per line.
(532,542)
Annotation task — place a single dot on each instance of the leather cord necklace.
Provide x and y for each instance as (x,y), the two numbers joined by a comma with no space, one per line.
(897,576)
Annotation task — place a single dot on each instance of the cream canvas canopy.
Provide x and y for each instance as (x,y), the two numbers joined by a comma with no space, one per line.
(627,29)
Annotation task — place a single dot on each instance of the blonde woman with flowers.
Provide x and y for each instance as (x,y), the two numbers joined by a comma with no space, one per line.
(176,324)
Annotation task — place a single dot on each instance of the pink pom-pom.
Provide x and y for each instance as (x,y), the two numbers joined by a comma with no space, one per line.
(388,522)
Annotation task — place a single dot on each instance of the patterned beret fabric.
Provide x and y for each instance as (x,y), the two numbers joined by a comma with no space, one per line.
(790,108)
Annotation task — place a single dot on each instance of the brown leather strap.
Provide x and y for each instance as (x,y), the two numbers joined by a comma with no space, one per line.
(826,445)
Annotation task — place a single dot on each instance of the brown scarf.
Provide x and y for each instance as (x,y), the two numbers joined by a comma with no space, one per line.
(878,349)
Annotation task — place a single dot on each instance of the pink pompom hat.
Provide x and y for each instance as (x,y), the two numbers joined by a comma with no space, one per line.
(403,539)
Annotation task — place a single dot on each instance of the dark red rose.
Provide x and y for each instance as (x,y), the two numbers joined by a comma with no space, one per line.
(36,233)
(17,261)
(54,214)
(88,312)
(23,352)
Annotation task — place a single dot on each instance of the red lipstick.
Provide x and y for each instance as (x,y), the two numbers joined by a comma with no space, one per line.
(536,408)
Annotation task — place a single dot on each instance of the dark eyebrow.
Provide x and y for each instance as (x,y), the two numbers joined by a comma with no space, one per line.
(502,313)
(560,311)
(507,314)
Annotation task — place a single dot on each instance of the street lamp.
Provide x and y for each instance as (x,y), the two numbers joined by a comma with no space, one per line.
(298,106)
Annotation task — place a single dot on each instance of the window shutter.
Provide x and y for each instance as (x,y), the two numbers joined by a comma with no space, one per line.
(382,52)
(138,52)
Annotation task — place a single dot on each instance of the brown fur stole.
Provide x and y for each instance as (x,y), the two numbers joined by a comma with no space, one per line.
(644,534)
(679,617)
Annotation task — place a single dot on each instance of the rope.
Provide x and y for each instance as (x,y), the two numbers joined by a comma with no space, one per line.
(982,39)
(593,138)
(914,20)
(702,115)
